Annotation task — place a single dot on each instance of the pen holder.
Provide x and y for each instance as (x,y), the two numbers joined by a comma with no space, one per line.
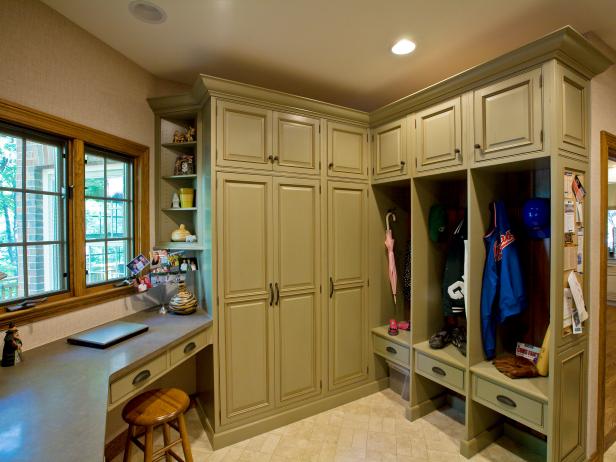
(187,197)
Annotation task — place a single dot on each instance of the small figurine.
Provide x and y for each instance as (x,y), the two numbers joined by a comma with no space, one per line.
(393,327)
(178,137)
(189,135)
(191,238)
(11,353)
(184,266)
(175,201)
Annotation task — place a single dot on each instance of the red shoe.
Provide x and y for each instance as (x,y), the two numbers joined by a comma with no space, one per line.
(393,327)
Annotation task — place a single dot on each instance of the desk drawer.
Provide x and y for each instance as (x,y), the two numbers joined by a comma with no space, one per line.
(440,372)
(138,378)
(507,401)
(393,351)
(188,347)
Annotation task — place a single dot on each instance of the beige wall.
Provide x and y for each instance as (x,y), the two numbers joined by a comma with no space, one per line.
(602,117)
(51,64)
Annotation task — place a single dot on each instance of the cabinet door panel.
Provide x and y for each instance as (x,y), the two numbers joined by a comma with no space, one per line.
(244,136)
(248,355)
(297,232)
(439,136)
(347,232)
(508,117)
(296,143)
(390,150)
(245,234)
(347,337)
(347,150)
(297,347)
(572,102)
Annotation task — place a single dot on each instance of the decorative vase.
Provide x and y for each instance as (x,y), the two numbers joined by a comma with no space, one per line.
(187,196)
(183,302)
(180,234)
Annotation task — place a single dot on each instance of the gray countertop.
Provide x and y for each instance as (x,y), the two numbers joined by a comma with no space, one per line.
(53,405)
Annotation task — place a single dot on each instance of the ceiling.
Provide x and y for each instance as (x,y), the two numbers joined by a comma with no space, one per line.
(332,50)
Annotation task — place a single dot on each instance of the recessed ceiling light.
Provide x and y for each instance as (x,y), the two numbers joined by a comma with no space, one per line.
(147,11)
(403,47)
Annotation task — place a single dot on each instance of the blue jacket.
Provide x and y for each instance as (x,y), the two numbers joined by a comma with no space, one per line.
(502,293)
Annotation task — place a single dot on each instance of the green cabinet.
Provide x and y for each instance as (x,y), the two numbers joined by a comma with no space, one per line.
(389,150)
(347,261)
(347,151)
(269,243)
(508,117)
(438,136)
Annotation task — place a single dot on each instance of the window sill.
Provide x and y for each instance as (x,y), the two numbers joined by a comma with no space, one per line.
(62,306)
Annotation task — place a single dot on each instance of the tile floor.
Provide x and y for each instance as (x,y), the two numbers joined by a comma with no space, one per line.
(373,428)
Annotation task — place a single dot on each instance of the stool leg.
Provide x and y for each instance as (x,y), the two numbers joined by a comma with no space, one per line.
(127,447)
(166,440)
(185,440)
(149,444)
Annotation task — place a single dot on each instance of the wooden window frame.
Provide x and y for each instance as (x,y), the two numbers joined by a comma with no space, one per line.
(79,295)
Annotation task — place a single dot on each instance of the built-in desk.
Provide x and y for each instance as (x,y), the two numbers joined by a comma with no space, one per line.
(53,406)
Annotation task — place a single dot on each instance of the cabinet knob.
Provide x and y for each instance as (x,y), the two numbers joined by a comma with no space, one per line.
(477,146)
(457,151)
(271,159)
(331,165)
(276,159)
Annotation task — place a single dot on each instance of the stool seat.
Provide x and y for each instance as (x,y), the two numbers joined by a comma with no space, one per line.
(155,407)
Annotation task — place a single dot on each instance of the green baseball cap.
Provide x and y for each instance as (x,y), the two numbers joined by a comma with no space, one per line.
(437,222)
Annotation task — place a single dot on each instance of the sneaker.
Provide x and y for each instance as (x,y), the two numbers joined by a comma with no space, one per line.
(440,339)
(458,339)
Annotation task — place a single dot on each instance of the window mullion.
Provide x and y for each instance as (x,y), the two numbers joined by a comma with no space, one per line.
(24,206)
(78,246)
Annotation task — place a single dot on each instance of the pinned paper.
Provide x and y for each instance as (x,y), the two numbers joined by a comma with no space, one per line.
(580,251)
(567,307)
(578,296)
(570,258)
(569,216)
(578,189)
(567,185)
(579,212)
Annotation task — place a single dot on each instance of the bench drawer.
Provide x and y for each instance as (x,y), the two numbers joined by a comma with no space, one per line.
(188,347)
(507,401)
(393,351)
(138,378)
(449,376)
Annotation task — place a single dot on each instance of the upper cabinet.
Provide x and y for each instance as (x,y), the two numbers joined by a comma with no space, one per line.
(438,136)
(508,117)
(252,137)
(572,103)
(347,151)
(296,143)
(244,136)
(389,150)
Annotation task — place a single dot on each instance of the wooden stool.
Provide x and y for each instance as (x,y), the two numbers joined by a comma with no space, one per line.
(150,410)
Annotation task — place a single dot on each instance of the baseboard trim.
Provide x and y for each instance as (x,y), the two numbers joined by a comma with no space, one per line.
(234,435)
(468,448)
(425,407)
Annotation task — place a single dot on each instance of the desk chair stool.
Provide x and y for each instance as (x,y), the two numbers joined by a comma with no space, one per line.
(150,410)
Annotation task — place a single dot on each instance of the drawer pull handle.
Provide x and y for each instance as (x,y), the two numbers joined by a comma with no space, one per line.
(506,400)
(392,350)
(141,377)
(189,347)
(439,371)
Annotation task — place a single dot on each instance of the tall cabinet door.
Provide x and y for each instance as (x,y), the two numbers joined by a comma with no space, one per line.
(297,146)
(347,260)
(244,136)
(245,281)
(297,263)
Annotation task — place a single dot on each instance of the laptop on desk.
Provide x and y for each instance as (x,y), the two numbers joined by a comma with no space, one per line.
(107,335)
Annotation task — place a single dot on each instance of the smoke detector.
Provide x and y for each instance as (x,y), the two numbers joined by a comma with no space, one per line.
(147,12)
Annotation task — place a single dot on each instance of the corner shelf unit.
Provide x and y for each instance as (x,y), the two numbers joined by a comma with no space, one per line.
(168,181)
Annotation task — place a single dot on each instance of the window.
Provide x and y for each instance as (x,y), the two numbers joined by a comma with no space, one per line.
(73,211)
(33,246)
(109,216)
